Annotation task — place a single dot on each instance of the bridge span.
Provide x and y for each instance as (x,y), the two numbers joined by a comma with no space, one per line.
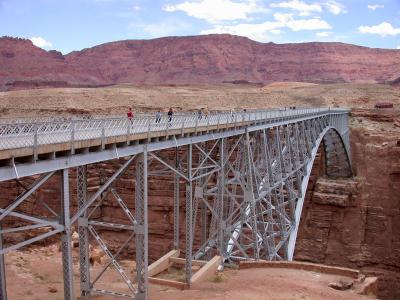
(244,177)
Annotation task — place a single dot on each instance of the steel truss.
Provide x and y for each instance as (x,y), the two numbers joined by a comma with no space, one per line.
(244,194)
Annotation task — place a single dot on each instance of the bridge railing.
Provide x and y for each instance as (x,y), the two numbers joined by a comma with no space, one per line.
(32,134)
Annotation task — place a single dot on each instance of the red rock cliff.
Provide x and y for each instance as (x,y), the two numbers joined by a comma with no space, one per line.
(194,60)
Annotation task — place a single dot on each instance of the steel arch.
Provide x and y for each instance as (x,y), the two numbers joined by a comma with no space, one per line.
(347,173)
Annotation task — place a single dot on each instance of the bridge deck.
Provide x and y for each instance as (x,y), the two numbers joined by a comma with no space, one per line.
(29,143)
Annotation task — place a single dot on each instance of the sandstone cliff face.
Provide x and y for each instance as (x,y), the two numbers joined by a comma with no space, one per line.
(355,223)
(197,59)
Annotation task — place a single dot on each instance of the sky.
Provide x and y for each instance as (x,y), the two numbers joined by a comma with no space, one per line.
(68,25)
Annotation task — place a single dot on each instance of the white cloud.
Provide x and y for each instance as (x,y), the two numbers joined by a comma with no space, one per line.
(303,8)
(166,28)
(323,34)
(310,24)
(40,42)
(383,29)
(261,31)
(306,9)
(398,47)
(257,32)
(136,8)
(375,6)
(335,7)
(214,11)
(276,31)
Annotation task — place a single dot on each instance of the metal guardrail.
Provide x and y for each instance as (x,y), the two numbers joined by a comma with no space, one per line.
(33,134)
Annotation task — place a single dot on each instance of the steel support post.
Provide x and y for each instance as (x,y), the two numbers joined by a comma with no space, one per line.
(141,228)
(176,201)
(66,241)
(280,197)
(221,194)
(249,195)
(270,226)
(204,224)
(291,165)
(3,285)
(189,219)
(84,263)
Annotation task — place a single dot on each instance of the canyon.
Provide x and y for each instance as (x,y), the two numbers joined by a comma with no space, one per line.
(350,223)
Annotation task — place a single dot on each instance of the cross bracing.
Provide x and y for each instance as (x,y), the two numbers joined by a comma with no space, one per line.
(244,178)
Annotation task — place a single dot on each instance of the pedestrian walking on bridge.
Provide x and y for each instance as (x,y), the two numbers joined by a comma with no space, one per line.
(158,117)
(130,114)
(170,113)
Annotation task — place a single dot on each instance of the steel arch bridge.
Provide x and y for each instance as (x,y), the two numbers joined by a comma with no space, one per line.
(244,174)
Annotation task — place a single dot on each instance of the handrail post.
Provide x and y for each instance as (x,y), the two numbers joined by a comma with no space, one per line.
(128,132)
(103,135)
(183,125)
(149,130)
(195,128)
(35,142)
(236,121)
(167,126)
(218,121)
(72,137)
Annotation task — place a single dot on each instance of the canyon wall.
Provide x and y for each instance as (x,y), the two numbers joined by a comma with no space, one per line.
(206,59)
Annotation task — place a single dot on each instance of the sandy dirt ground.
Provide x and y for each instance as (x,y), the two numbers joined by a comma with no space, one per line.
(117,99)
(35,274)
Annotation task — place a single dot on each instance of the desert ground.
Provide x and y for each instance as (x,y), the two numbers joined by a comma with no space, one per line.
(117,99)
(35,274)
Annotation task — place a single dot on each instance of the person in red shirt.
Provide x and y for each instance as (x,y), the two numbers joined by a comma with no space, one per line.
(130,114)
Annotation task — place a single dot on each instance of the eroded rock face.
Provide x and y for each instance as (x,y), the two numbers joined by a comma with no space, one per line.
(194,60)
(356,223)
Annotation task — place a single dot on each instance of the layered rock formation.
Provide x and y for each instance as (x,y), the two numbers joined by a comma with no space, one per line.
(193,60)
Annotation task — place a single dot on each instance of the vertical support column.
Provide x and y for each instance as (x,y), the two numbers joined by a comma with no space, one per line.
(176,202)
(271,181)
(3,285)
(66,241)
(84,263)
(280,196)
(249,195)
(189,219)
(291,164)
(204,223)
(141,228)
(308,138)
(221,194)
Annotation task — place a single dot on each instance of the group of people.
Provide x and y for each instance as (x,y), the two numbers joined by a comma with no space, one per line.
(158,115)
(203,113)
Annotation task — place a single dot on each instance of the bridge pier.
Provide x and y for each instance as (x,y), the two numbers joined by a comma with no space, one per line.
(189,218)
(66,241)
(81,178)
(141,227)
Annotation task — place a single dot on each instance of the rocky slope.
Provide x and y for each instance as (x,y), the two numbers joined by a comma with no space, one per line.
(196,59)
